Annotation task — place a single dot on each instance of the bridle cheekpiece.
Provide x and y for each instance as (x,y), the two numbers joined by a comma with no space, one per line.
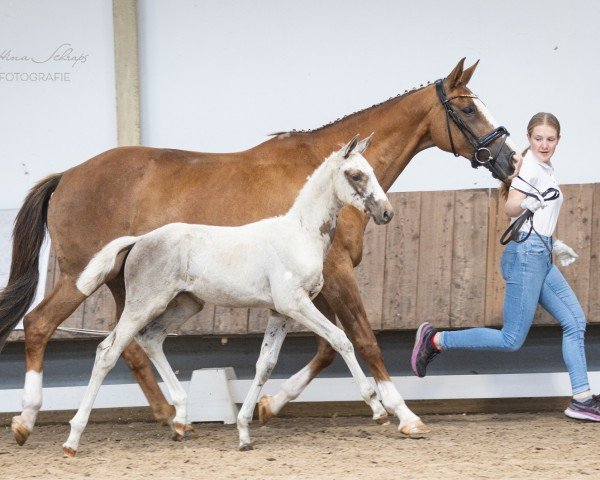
(482,155)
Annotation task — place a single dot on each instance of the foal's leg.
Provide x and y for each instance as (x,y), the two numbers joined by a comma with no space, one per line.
(275,333)
(341,291)
(269,406)
(135,315)
(151,339)
(138,362)
(39,326)
(308,315)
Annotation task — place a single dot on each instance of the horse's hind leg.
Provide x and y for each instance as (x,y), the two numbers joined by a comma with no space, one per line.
(269,406)
(138,362)
(151,339)
(39,326)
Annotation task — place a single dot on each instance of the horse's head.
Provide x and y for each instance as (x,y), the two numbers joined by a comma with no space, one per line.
(461,124)
(356,184)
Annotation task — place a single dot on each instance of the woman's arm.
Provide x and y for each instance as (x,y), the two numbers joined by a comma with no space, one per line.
(512,207)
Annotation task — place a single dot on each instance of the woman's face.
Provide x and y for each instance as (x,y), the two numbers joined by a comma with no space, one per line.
(543,141)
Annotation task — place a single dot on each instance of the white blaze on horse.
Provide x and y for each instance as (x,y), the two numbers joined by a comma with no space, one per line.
(275,263)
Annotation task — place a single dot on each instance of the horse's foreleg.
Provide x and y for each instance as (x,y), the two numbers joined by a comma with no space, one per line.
(151,339)
(39,326)
(295,385)
(139,364)
(275,334)
(341,291)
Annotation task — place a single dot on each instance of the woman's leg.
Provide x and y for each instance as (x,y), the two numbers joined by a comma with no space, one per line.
(524,273)
(558,298)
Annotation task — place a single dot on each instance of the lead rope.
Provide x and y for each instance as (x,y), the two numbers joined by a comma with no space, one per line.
(512,232)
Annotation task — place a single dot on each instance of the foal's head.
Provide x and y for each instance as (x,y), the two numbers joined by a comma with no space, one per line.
(355,182)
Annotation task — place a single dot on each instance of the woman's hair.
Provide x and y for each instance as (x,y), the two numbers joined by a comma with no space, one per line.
(541,118)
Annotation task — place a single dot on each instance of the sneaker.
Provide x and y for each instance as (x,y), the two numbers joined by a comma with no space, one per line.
(423,351)
(588,410)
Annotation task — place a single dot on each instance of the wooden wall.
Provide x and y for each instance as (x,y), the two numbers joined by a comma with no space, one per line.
(438,260)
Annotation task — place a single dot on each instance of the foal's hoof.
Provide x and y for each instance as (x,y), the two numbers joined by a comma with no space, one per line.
(264,409)
(20,431)
(414,429)
(68,452)
(246,447)
(382,420)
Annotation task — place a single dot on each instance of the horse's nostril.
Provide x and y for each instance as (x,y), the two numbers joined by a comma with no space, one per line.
(387,216)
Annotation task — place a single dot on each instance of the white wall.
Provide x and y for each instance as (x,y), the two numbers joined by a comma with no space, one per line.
(218,75)
(46,125)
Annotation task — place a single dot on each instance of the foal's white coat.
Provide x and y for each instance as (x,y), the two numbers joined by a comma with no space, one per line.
(275,263)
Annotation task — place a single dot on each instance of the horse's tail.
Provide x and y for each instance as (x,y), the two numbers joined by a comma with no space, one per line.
(107,261)
(28,237)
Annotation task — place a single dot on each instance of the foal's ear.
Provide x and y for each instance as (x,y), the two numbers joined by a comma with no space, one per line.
(453,79)
(351,145)
(363,144)
(467,74)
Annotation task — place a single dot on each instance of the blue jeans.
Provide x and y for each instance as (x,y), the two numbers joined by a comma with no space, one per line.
(531,277)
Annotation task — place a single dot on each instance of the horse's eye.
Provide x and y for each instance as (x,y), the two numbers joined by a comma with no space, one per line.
(468,110)
(356,177)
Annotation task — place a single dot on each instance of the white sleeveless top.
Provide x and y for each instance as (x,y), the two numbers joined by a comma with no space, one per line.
(541,176)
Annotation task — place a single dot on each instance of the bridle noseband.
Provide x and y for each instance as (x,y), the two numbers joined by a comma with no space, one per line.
(482,155)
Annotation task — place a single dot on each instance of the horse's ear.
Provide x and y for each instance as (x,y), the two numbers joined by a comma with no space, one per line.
(453,79)
(468,73)
(363,144)
(351,145)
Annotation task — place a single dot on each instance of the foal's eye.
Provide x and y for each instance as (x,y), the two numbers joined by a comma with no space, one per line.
(356,177)
(468,110)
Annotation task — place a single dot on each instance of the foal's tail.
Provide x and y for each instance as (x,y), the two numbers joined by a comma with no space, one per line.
(106,261)
(28,237)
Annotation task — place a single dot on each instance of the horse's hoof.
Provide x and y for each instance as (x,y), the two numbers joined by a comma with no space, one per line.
(246,447)
(414,429)
(382,420)
(178,431)
(264,409)
(20,431)
(68,452)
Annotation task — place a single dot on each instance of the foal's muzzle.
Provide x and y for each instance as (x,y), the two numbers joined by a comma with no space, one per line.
(381,211)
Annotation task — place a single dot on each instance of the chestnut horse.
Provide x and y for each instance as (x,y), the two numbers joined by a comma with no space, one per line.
(132,190)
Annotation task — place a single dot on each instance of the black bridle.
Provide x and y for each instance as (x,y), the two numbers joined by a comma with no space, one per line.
(482,155)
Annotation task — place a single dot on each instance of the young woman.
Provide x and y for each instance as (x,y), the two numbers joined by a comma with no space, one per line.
(530,276)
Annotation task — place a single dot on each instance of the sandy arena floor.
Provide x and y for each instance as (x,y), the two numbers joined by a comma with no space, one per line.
(528,446)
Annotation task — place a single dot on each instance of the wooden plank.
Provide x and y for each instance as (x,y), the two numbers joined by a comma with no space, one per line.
(594,288)
(497,224)
(370,273)
(575,229)
(99,310)
(200,324)
(435,258)
(467,293)
(258,319)
(230,321)
(402,262)
(127,82)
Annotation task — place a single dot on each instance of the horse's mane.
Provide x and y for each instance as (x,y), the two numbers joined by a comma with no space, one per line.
(337,120)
